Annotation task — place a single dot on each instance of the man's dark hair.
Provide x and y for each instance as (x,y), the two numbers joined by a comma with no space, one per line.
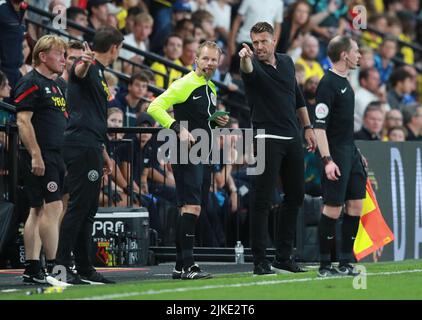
(75,45)
(364,73)
(181,24)
(373,106)
(134,11)
(399,75)
(148,74)
(337,46)
(173,35)
(261,27)
(138,76)
(105,38)
(73,12)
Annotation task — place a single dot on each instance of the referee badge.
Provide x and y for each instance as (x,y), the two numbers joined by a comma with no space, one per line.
(93,175)
(321,111)
(213,98)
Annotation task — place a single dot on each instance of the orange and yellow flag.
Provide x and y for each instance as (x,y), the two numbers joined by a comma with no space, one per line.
(373,232)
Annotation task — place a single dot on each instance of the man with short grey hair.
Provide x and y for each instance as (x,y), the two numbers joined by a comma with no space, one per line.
(412,118)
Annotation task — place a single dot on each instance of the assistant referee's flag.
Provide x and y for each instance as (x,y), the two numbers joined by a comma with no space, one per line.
(373,232)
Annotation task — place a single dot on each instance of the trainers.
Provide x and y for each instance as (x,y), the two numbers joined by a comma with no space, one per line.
(95,277)
(176,274)
(347,270)
(286,266)
(194,272)
(34,278)
(72,277)
(263,268)
(327,271)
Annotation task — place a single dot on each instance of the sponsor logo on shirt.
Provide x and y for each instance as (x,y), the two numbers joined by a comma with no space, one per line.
(106,89)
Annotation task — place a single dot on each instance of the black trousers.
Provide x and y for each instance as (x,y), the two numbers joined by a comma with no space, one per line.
(283,160)
(83,180)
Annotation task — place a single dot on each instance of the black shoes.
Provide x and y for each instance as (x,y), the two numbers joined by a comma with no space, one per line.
(286,266)
(34,278)
(194,273)
(347,270)
(176,274)
(41,277)
(328,271)
(263,268)
(95,277)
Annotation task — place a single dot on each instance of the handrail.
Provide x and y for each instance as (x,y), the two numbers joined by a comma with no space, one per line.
(143,66)
(414,46)
(7,107)
(395,59)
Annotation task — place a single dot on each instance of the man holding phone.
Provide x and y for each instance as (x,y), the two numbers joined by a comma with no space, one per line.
(194,99)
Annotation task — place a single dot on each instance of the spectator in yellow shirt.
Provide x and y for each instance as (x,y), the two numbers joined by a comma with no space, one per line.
(308,60)
(172,51)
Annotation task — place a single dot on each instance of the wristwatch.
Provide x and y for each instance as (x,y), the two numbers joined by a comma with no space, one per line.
(327,160)
(309,126)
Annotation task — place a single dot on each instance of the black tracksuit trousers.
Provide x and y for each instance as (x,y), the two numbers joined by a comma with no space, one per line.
(283,159)
(84,175)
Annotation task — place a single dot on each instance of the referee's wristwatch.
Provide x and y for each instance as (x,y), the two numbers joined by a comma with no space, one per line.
(309,126)
(327,160)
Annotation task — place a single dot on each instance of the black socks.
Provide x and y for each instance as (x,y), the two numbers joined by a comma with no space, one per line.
(187,238)
(326,232)
(348,233)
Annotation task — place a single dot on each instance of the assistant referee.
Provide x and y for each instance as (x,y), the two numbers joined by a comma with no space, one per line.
(344,176)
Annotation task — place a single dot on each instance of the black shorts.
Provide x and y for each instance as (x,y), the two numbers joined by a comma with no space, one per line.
(192,183)
(352,182)
(49,187)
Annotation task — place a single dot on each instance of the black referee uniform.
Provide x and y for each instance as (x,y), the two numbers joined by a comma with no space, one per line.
(83,153)
(334,113)
(274,97)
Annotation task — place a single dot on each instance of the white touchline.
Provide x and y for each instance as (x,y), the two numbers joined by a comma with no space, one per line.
(234,285)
